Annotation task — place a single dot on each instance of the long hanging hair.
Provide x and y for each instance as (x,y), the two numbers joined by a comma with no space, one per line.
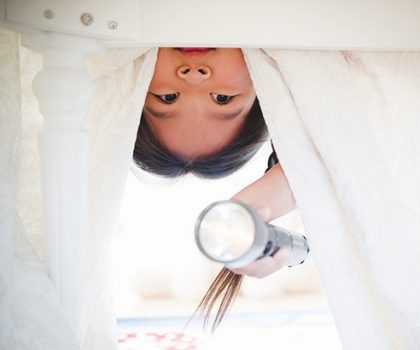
(224,288)
(226,285)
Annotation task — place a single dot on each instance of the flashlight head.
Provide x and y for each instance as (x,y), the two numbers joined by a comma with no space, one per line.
(231,233)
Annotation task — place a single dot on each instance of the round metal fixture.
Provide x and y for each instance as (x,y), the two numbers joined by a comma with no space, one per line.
(87,19)
(49,14)
(112,25)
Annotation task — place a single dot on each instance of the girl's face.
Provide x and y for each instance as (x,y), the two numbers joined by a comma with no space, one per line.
(198,99)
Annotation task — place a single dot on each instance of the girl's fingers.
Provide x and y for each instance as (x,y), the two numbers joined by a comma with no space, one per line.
(265,266)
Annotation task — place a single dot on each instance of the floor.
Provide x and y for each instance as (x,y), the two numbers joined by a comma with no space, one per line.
(291,323)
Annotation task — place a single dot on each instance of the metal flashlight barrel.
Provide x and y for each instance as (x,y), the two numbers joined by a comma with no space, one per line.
(280,238)
(232,233)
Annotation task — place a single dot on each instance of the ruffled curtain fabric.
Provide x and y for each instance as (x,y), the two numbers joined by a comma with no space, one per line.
(30,313)
(31,316)
(122,78)
(346,126)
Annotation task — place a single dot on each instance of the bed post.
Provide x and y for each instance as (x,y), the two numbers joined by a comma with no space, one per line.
(64,90)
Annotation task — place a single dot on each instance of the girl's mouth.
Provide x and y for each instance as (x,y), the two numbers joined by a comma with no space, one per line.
(194,50)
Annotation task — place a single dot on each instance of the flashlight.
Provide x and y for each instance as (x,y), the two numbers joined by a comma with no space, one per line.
(234,234)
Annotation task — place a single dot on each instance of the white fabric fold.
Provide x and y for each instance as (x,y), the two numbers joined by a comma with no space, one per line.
(112,124)
(30,313)
(345,126)
(31,316)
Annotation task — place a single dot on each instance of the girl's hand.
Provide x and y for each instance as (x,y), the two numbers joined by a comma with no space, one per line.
(269,264)
(265,266)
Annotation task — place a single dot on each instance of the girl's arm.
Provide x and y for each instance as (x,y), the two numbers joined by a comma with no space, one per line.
(271,197)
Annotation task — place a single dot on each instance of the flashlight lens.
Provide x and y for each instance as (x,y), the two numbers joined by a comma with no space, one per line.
(226,231)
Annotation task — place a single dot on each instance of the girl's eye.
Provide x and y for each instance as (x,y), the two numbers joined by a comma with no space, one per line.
(168,98)
(221,99)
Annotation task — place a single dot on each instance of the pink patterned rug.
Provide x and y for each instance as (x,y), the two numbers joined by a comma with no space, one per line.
(288,330)
(157,340)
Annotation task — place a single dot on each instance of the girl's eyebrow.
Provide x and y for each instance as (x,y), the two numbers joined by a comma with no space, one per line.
(159,115)
(166,115)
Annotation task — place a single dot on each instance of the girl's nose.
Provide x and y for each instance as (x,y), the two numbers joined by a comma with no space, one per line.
(192,74)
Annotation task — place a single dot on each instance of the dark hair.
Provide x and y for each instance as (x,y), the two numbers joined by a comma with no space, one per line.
(150,155)
(225,287)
